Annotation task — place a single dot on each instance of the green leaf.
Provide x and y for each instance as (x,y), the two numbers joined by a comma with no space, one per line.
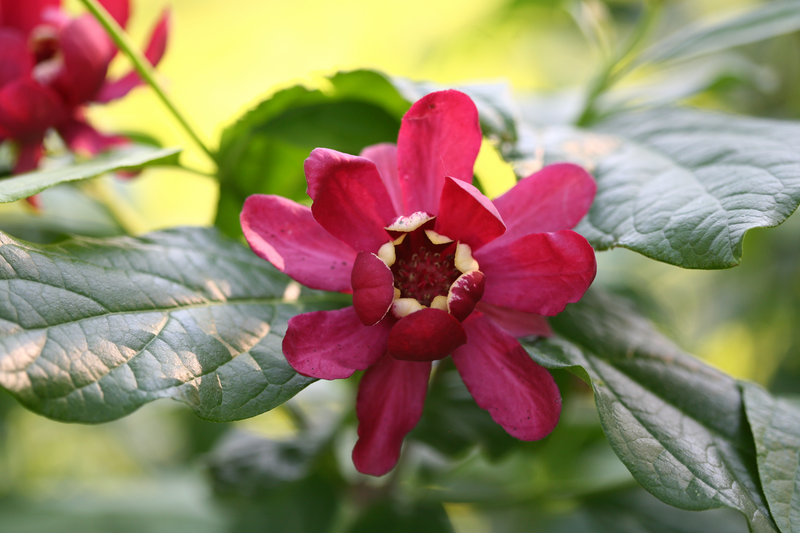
(264,151)
(92,329)
(776,428)
(390,517)
(130,158)
(768,20)
(678,185)
(677,424)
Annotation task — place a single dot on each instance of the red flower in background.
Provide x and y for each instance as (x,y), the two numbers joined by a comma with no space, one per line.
(51,66)
(435,268)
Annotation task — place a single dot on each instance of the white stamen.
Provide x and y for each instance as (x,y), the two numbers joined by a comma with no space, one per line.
(386,253)
(435,238)
(405,306)
(464,260)
(409,223)
(440,302)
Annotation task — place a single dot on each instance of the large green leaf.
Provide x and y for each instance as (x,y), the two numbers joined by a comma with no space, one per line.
(678,185)
(768,20)
(264,151)
(92,329)
(677,424)
(776,428)
(129,158)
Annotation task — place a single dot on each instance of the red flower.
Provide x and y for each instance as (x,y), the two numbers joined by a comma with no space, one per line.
(435,268)
(51,66)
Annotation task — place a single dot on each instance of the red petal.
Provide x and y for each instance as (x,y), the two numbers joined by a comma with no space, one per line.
(84,139)
(373,288)
(466,215)
(385,158)
(333,344)
(25,15)
(516,323)
(27,110)
(350,200)
(15,58)
(520,395)
(120,10)
(285,234)
(540,273)
(426,335)
(87,52)
(390,399)
(465,292)
(28,160)
(154,52)
(439,136)
(555,198)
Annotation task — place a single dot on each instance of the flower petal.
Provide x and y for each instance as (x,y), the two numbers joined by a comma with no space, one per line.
(333,344)
(373,288)
(350,199)
(285,234)
(426,335)
(516,323)
(85,140)
(25,15)
(87,51)
(120,10)
(520,395)
(555,198)
(27,110)
(154,52)
(28,160)
(390,399)
(540,273)
(384,156)
(15,58)
(465,292)
(466,215)
(439,136)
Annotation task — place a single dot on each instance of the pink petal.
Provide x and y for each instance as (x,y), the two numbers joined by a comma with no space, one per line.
(85,140)
(120,10)
(285,234)
(426,335)
(154,52)
(27,110)
(555,198)
(466,215)
(15,58)
(350,200)
(465,292)
(384,156)
(373,288)
(87,51)
(439,136)
(333,344)
(520,395)
(390,399)
(516,323)
(540,273)
(24,15)
(28,160)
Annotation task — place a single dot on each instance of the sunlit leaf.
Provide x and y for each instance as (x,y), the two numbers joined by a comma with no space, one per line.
(776,429)
(130,158)
(92,329)
(677,424)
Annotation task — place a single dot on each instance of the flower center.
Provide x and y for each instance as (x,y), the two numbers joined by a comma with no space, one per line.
(424,270)
(44,43)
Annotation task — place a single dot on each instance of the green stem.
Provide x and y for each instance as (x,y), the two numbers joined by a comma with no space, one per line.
(142,65)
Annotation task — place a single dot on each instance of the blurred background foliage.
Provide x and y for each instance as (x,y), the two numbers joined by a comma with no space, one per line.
(288,470)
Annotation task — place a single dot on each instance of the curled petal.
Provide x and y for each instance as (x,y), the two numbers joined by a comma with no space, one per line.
(333,344)
(390,399)
(350,199)
(373,288)
(465,293)
(466,215)
(555,198)
(156,47)
(285,234)
(426,335)
(84,139)
(520,395)
(516,323)
(25,15)
(539,273)
(439,136)
(15,58)
(87,51)
(384,156)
